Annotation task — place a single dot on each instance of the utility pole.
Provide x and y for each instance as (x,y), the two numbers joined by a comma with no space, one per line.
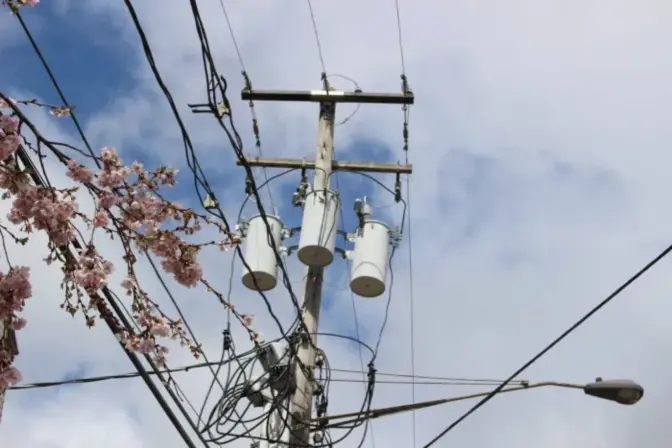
(318,231)
(301,410)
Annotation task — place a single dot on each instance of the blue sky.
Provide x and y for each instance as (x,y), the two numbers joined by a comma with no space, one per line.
(540,144)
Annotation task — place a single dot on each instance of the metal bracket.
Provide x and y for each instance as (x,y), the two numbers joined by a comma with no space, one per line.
(242,227)
(343,252)
(395,238)
(290,249)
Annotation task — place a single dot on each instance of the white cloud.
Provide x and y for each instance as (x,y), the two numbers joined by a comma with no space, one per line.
(539,142)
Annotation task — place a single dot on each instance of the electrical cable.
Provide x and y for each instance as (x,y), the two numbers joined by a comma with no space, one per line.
(120,376)
(255,120)
(411,301)
(555,342)
(354,307)
(408,199)
(109,319)
(192,161)
(435,378)
(80,131)
(213,78)
(168,370)
(56,85)
(317,36)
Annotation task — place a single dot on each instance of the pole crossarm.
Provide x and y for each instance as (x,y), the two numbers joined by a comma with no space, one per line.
(375,413)
(371,167)
(331,96)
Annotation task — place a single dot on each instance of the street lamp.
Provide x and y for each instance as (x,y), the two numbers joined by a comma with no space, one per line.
(625,392)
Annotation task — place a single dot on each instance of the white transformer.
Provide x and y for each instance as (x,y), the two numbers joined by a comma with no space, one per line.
(319,228)
(370,259)
(260,255)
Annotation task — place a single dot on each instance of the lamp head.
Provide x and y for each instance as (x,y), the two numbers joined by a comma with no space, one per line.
(621,391)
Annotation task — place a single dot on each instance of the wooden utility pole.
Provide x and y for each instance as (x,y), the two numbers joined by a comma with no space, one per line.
(323,165)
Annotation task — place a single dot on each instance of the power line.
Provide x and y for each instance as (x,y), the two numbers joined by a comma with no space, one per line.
(109,319)
(255,120)
(317,36)
(567,332)
(426,383)
(401,42)
(354,310)
(192,161)
(435,378)
(56,85)
(119,376)
(408,200)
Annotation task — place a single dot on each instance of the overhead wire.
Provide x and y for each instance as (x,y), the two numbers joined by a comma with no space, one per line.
(109,319)
(434,380)
(317,36)
(182,396)
(200,180)
(248,84)
(553,343)
(120,376)
(354,312)
(406,111)
(214,82)
(106,292)
(236,143)
(219,83)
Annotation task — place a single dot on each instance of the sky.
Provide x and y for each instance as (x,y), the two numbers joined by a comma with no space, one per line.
(539,143)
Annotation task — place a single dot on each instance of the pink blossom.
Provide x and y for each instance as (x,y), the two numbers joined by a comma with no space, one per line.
(18,323)
(93,270)
(78,172)
(101,219)
(9,124)
(127,284)
(113,177)
(186,274)
(15,289)
(160,329)
(160,356)
(137,167)
(9,144)
(108,200)
(41,208)
(248,319)
(145,346)
(10,377)
(114,173)
(109,155)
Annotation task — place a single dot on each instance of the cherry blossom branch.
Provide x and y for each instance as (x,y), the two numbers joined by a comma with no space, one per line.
(128,205)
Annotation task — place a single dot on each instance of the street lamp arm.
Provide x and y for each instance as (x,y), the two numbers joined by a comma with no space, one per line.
(375,413)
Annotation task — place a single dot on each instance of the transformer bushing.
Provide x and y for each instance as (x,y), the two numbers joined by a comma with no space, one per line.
(260,254)
(370,258)
(319,228)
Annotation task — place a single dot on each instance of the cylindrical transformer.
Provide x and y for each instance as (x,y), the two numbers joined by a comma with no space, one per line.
(319,228)
(370,259)
(260,254)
